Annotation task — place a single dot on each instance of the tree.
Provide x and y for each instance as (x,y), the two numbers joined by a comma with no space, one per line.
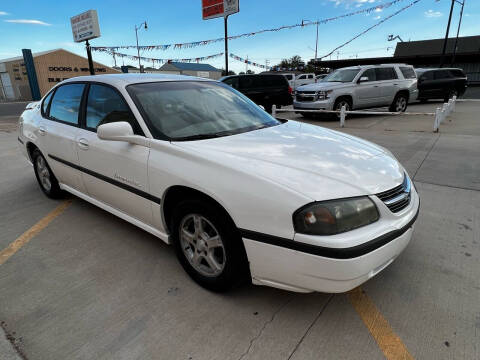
(295,62)
(250,71)
(230,72)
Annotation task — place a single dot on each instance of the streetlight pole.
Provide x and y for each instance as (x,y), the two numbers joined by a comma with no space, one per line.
(316,48)
(225,20)
(458,33)
(136,35)
(442,60)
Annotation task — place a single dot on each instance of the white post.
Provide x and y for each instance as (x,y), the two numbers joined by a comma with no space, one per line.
(450,106)
(342,116)
(274,110)
(436,122)
(454,102)
(444,111)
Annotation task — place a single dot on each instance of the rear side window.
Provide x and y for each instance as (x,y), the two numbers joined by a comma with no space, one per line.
(457,73)
(247,82)
(408,72)
(66,103)
(273,80)
(310,76)
(289,77)
(302,77)
(45,104)
(105,105)
(441,74)
(386,73)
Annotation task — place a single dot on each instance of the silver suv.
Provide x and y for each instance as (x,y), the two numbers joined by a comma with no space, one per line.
(360,87)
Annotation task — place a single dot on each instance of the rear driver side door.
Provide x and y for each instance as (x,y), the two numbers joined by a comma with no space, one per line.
(114,172)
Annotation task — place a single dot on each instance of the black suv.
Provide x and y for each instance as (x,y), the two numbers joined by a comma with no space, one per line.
(265,90)
(443,83)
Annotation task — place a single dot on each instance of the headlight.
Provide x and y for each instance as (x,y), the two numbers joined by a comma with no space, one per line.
(322,95)
(335,216)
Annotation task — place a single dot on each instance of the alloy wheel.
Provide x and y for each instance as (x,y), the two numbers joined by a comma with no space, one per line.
(43,173)
(202,245)
(401,104)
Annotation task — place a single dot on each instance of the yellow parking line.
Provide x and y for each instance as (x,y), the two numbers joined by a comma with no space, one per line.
(389,342)
(34,230)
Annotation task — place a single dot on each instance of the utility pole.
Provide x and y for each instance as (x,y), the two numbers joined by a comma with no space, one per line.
(138,48)
(267,63)
(225,20)
(442,60)
(458,33)
(316,48)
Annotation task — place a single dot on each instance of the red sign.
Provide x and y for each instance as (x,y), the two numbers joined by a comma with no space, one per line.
(218,8)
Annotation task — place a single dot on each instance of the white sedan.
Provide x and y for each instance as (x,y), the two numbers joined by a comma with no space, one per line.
(238,193)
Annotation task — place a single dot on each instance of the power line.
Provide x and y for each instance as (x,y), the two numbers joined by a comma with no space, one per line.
(371,27)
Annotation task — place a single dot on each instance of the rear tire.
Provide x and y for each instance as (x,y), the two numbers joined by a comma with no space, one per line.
(45,177)
(208,245)
(450,95)
(400,103)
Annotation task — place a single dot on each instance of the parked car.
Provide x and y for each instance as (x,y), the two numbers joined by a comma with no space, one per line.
(360,87)
(442,83)
(320,77)
(304,79)
(291,79)
(265,90)
(239,194)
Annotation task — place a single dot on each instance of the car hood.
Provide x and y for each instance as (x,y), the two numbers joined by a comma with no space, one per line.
(324,85)
(317,162)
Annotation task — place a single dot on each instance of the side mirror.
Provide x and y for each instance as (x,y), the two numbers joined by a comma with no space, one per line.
(363,79)
(261,107)
(120,131)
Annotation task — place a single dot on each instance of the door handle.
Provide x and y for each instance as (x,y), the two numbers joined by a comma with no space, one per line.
(395,84)
(42,130)
(82,144)
(375,86)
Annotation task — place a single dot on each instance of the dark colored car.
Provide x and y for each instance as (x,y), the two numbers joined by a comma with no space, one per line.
(443,83)
(265,90)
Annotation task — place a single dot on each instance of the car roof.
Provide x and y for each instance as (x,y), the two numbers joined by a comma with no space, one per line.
(361,67)
(435,69)
(127,79)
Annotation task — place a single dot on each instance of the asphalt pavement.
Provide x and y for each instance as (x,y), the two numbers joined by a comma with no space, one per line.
(80,283)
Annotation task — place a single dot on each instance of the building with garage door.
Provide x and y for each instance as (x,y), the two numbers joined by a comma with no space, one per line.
(192,69)
(51,67)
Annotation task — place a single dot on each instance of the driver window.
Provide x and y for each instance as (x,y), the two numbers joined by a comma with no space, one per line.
(105,105)
(370,74)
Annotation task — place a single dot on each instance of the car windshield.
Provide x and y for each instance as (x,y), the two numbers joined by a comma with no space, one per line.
(194,110)
(346,75)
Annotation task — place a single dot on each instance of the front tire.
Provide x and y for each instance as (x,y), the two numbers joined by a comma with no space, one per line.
(208,245)
(339,103)
(400,103)
(45,177)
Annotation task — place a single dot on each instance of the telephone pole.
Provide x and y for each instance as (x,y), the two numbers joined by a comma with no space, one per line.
(442,60)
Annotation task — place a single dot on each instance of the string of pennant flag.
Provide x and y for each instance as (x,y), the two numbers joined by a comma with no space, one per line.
(246,61)
(157,60)
(188,45)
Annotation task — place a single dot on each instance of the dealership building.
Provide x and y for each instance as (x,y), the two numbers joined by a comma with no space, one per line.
(49,68)
(424,53)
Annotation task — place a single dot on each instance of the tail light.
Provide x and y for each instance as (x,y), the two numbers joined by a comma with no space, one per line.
(290,90)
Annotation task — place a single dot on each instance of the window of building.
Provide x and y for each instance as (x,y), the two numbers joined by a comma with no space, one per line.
(66,103)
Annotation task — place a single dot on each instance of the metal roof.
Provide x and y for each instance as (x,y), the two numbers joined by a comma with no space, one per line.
(193,66)
(16,58)
(466,45)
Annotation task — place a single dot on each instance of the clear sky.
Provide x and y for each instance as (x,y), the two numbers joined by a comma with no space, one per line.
(45,24)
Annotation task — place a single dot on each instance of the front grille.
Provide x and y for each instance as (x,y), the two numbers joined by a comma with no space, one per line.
(306,96)
(397,198)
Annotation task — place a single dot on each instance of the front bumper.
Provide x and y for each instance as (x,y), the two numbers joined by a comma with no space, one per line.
(307,266)
(313,105)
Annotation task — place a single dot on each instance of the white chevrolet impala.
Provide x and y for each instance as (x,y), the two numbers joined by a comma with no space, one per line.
(239,194)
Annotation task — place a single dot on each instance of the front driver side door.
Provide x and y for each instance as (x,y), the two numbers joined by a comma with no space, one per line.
(368,92)
(114,172)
